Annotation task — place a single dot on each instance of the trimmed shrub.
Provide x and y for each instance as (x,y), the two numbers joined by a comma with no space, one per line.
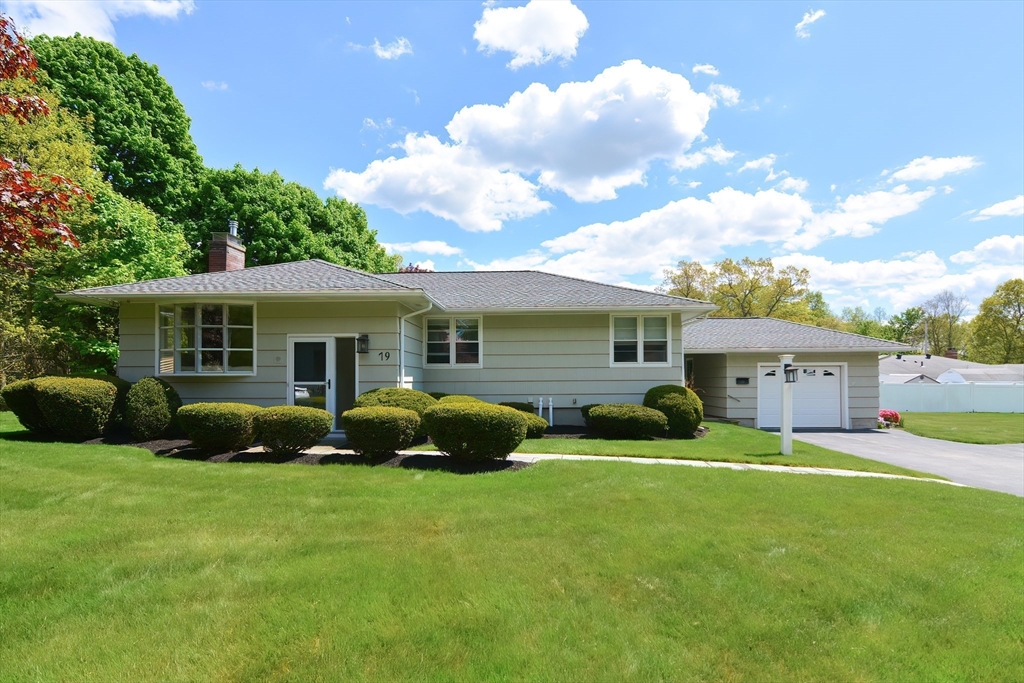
(437,394)
(150,408)
(380,430)
(682,407)
(3,404)
(394,397)
(521,406)
(219,427)
(475,430)
(627,421)
(75,409)
(289,430)
(122,386)
(585,411)
(535,425)
(460,398)
(21,399)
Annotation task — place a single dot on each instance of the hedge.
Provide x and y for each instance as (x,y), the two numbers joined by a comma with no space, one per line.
(122,386)
(681,406)
(521,406)
(289,430)
(394,397)
(460,398)
(475,430)
(219,427)
(627,421)
(535,425)
(75,409)
(150,408)
(21,400)
(380,430)
(585,411)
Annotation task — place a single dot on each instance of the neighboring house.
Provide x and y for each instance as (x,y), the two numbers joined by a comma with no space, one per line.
(734,364)
(906,379)
(949,370)
(314,333)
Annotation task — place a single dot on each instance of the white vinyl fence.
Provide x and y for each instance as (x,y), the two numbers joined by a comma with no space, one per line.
(969,397)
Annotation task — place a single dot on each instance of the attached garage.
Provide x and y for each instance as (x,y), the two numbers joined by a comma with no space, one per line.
(734,366)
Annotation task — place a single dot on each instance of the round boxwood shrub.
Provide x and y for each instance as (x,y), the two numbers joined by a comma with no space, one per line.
(122,386)
(521,406)
(460,398)
(394,397)
(289,430)
(219,427)
(380,430)
(21,400)
(627,421)
(535,425)
(585,411)
(75,409)
(150,408)
(475,430)
(682,407)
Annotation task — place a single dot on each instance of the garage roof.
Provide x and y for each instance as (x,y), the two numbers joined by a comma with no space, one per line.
(771,334)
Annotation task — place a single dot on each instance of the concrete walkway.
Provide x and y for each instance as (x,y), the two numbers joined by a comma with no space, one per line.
(994,467)
(528,457)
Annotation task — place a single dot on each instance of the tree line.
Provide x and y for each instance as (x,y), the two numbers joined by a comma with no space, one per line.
(101,183)
(755,288)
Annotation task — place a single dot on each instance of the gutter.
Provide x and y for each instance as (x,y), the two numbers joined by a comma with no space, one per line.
(401,341)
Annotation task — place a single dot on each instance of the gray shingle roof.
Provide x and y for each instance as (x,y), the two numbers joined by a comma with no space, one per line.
(298,276)
(936,365)
(531,289)
(763,334)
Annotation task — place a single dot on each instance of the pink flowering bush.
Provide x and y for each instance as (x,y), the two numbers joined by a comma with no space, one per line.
(890,416)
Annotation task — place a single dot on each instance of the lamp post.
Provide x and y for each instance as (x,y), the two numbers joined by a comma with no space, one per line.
(788,376)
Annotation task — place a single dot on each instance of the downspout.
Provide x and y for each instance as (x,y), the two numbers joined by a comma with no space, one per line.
(401,342)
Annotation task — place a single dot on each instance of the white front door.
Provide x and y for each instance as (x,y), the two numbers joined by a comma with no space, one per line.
(817,397)
(311,372)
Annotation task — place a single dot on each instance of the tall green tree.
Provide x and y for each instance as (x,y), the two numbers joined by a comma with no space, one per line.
(281,221)
(744,288)
(906,327)
(145,149)
(997,332)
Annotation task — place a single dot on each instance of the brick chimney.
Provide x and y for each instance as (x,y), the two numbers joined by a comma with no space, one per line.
(952,353)
(226,251)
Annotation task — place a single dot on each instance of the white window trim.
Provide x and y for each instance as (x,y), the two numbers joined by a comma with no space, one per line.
(451,336)
(197,304)
(639,340)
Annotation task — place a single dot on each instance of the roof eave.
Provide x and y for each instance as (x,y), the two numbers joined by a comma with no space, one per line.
(114,299)
(697,310)
(794,350)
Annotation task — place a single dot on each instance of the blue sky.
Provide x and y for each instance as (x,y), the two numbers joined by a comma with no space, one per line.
(879,145)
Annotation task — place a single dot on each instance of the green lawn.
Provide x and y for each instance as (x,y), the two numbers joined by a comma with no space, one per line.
(122,566)
(725,442)
(967,427)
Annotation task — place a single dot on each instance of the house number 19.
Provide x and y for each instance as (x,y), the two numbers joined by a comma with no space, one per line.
(385,355)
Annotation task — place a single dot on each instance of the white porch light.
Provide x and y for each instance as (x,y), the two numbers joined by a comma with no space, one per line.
(789,377)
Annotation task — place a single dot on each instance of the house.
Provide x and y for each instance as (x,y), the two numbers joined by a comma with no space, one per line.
(315,333)
(908,378)
(949,370)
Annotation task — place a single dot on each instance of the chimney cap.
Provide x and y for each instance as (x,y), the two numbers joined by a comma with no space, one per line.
(233,228)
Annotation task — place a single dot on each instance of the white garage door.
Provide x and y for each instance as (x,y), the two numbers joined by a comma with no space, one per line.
(817,397)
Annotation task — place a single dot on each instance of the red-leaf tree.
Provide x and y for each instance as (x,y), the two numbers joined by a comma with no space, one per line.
(30,206)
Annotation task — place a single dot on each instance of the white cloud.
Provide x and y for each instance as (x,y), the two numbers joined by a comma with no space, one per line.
(928,168)
(702,228)
(725,94)
(429,247)
(693,184)
(535,33)
(450,181)
(1001,249)
(762,164)
(799,185)
(215,85)
(705,69)
(716,153)
(93,18)
(426,265)
(393,50)
(1011,207)
(803,28)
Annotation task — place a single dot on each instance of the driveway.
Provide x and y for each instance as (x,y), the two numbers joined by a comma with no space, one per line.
(997,467)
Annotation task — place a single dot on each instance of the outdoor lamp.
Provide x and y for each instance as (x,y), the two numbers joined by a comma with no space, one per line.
(791,374)
(363,343)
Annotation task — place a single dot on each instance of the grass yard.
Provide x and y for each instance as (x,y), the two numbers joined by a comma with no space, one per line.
(967,427)
(122,566)
(725,442)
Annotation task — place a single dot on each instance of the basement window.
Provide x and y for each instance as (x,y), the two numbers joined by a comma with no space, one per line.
(206,339)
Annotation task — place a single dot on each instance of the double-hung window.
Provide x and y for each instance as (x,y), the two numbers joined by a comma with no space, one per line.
(202,338)
(453,341)
(640,339)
